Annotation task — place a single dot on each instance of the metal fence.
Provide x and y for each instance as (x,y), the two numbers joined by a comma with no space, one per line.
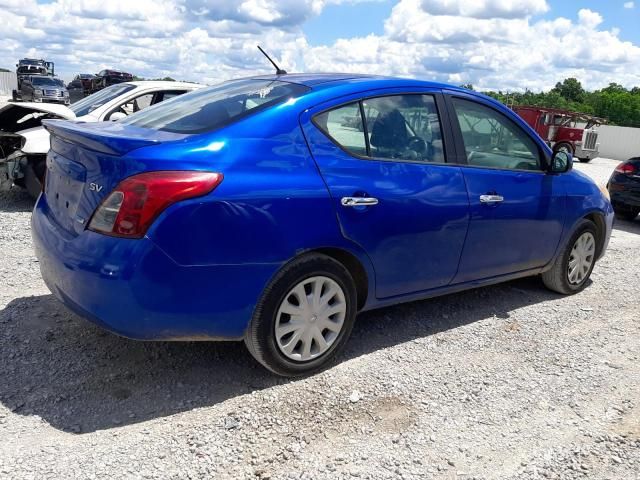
(8,83)
(619,143)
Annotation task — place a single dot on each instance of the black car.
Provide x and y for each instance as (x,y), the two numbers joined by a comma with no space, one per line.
(106,78)
(624,189)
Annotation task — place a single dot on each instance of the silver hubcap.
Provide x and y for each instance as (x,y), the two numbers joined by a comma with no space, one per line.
(581,258)
(310,318)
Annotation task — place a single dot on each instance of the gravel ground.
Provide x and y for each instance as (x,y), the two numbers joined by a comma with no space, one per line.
(508,382)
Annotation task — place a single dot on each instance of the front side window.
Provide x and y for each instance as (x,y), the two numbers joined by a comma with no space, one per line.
(134,105)
(395,127)
(492,140)
(210,108)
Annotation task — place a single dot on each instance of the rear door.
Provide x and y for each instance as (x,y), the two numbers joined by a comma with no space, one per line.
(517,210)
(384,160)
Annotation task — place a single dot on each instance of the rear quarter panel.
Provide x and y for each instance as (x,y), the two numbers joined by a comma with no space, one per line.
(271,206)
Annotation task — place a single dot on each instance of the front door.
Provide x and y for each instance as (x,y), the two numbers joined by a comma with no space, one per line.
(517,210)
(384,161)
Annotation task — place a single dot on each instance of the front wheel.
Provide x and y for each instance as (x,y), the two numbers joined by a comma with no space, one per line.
(563,147)
(585,160)
(573,267)
(304,317)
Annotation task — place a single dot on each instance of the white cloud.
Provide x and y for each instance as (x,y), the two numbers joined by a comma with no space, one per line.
(485,8)
(629,5)
(589,18)
(495,53)
(498,44)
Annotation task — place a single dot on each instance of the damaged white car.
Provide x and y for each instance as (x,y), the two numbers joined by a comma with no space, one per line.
(24,143)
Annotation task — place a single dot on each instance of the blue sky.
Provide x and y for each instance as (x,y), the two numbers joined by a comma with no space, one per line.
(494,44)
(362,18)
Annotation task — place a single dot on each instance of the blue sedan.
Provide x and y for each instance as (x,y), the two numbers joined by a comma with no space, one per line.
(273,209)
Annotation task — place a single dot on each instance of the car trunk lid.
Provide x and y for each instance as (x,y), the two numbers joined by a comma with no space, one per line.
(86,162)
(15,117)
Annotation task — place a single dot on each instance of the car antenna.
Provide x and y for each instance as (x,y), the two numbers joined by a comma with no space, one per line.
(279,71)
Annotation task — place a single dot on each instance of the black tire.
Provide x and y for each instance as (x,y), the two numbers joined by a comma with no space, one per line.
(260,337)
(556,278)
(626,213)
(34,176)
(559,146)
(585,160)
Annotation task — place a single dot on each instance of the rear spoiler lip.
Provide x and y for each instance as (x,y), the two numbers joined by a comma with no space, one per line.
(117,142)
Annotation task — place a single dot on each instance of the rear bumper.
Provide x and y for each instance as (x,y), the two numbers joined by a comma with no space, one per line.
(134,289)
(625,197)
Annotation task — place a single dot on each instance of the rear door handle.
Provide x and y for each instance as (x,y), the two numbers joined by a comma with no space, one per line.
(491,198)
(358,201)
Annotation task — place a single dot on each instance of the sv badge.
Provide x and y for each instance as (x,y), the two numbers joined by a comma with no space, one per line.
(94,187)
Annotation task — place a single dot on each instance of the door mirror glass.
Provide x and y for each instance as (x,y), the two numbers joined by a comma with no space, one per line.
(561,162)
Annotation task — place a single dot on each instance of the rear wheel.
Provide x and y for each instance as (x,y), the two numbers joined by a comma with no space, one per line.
(304,317)
(573,267)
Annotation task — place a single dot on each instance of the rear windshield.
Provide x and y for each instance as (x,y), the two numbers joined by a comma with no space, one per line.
(32,69)
(90,103)
(214,107)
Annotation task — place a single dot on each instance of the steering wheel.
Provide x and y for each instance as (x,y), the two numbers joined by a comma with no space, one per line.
(416,144)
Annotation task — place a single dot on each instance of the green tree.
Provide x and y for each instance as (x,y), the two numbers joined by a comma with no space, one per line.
(614,102)
(571,89)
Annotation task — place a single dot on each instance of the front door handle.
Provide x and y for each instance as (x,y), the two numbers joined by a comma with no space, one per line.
(491,198)
(358,201)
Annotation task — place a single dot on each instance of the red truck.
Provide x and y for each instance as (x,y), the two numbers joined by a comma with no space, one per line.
(559,128)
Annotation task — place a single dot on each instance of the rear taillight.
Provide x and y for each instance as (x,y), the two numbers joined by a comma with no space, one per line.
(138,200)
(626,168)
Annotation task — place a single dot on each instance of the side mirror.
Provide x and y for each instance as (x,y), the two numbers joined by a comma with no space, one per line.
(561,162)
(117,116)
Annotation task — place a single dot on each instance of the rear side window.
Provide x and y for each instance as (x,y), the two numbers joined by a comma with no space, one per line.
(395,127)
(171,94)
(344,125)
(492,140)
(207,109)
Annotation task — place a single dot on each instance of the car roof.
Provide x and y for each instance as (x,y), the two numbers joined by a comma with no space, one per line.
(165,84)
(315,80)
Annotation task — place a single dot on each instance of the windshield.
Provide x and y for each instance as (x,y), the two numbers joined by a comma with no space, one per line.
(45,81)
(90,103)
(214,107)
(32,69)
